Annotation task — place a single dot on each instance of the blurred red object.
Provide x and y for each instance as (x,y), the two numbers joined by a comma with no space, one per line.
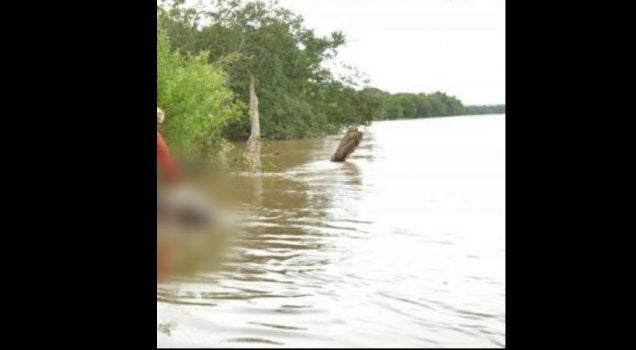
(166,162)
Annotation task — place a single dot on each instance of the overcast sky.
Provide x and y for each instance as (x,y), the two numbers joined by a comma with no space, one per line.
(454,46)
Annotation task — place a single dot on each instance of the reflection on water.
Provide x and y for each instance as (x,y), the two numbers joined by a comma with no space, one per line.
(402,245)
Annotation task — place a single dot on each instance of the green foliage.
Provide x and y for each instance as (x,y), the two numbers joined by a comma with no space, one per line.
(196,100)
(298,96)
(494,109)
(407,105)
(206,56)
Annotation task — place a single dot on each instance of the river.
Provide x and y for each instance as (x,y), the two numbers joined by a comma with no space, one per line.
(403,245)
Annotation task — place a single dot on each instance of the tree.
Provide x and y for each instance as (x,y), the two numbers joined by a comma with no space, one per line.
(393,109)
(285,58)
(195,99)
(423,106)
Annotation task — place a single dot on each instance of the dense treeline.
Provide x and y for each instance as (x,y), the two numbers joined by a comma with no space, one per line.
(407,105)
(438,104)
(206,58)
(492,109)
(298,96)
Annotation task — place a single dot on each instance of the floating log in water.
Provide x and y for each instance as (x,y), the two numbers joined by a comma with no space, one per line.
(347,145)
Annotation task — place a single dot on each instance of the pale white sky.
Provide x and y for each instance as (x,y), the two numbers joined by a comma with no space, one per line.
(454,46)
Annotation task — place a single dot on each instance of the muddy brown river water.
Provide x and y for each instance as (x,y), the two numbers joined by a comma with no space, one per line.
(401,246)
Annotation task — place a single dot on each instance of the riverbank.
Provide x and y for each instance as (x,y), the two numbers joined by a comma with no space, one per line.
(204,79)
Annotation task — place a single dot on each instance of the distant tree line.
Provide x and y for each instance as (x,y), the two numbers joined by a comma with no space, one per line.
(421,105)
(486,109)
(408,105)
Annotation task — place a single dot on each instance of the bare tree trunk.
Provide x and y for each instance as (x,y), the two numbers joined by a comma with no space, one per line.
(253,143)
(348,144)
